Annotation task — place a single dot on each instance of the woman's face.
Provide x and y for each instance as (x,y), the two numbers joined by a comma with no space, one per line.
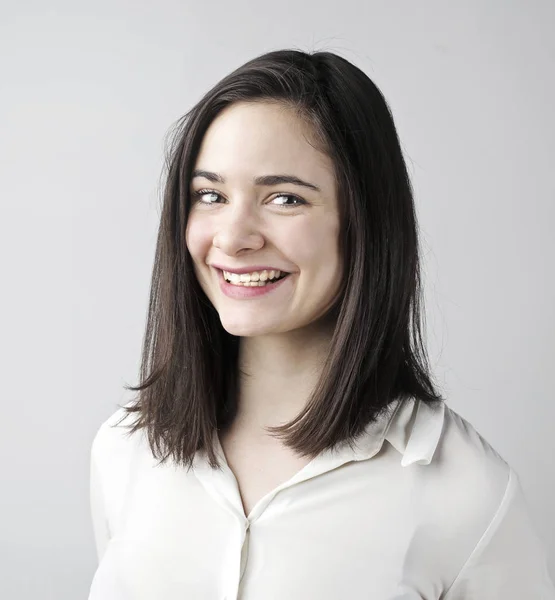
(238,223)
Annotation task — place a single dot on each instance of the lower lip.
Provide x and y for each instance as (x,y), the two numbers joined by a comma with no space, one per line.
(241,292)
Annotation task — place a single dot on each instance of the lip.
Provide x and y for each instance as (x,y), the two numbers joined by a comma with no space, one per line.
(241,270)
(240,292)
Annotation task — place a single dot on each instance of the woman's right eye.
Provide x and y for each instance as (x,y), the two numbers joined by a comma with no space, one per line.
(200,193)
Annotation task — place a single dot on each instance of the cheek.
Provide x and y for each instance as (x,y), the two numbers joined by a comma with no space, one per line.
(197,238)
(316,247)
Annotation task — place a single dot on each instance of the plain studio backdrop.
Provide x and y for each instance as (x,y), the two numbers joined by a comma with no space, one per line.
(88,94)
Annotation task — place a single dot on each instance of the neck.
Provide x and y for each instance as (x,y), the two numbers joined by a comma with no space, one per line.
(277,374)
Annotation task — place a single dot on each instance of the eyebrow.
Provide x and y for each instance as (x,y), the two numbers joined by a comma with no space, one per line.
(261,180)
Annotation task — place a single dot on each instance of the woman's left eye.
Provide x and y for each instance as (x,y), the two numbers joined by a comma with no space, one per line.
(299,201)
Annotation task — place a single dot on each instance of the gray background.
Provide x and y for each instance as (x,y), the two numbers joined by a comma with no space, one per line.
(88,92)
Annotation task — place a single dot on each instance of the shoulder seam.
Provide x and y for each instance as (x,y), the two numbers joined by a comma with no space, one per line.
(490,529)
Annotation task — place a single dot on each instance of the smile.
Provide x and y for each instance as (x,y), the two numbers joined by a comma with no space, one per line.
(251,289)
(255,279)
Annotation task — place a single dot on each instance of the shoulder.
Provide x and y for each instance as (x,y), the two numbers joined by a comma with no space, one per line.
(466,483)
(466,456)
(448,449)
(459,474)
(113,441)
(478,528)
(459,495)
(116,458)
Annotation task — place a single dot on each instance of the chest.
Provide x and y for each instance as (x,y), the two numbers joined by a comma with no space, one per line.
(346,533)
(259,466)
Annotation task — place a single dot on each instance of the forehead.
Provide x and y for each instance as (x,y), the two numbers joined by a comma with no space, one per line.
(256,138)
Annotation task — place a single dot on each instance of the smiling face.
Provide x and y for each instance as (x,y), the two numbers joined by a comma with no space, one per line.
(239,223)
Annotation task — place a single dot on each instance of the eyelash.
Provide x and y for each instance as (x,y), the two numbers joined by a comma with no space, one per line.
(200,193)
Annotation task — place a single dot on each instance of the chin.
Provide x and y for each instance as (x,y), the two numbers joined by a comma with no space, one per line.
(246,329)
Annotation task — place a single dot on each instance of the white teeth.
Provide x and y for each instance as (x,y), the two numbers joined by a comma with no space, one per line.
(256,276)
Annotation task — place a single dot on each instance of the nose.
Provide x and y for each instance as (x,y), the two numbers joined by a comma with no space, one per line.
(238,230)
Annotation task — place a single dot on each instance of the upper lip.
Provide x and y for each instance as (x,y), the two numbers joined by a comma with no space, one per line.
(240,270)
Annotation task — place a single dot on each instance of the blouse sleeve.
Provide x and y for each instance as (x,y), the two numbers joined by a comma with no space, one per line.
(509,561)
(100,528)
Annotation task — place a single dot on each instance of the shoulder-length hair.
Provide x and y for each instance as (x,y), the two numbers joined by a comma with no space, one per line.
(189,369)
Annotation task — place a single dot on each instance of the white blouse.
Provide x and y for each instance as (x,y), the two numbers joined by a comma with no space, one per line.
(423,508)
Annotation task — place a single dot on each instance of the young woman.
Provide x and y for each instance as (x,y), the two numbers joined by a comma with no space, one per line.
(289,443)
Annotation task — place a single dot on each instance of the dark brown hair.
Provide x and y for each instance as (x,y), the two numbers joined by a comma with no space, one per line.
(189,370)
